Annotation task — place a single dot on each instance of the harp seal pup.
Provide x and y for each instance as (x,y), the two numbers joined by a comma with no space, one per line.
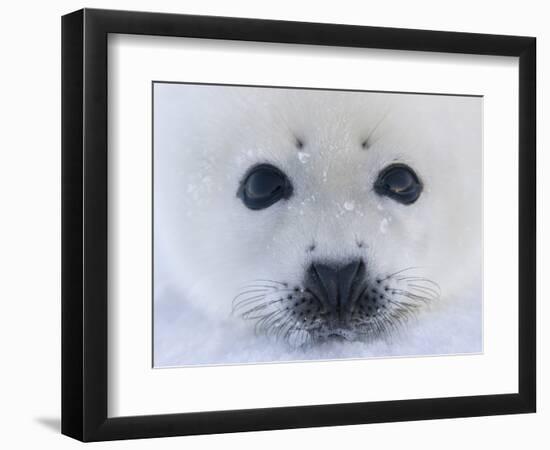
(303,224)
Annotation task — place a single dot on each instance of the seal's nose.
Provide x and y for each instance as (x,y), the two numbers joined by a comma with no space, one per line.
(336,285)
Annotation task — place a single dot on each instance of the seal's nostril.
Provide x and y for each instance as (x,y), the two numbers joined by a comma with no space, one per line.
(336,284)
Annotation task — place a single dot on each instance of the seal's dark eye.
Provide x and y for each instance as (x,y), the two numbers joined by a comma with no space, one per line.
(264,185)
(399,182)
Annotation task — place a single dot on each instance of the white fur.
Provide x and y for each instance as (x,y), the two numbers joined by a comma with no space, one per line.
(208,245)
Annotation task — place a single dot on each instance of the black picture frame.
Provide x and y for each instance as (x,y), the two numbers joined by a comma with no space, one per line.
(84,224)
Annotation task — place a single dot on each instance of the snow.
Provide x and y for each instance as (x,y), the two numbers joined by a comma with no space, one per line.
(384,225)
(303,157)
(349,206)
(186,336)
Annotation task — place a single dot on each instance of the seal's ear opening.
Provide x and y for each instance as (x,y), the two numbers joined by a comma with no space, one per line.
(263,185)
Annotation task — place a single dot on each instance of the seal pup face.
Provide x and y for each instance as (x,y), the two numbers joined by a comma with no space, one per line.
(317,215)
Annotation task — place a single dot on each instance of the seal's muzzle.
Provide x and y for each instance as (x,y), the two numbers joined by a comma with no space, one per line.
(337,286)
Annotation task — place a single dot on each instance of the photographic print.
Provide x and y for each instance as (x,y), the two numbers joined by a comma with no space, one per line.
(295,224)
(333,206)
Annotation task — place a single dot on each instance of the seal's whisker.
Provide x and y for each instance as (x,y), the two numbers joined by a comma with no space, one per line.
(273,322)
(250,291)
(246,304)
(271,281)
(260,286)
(281,330)
(240,304)
(239,301)
(402,307)
(248,313)
(427,290)
(420,297)
(406,304)
(258,327)
(245,301)
(297,316)
(264,318)
(252,316)
(276,323)
(399,271)
(277,290)
(246,310)
(288,331)
(428,287)
(420,279)
(410,295)
(380,326)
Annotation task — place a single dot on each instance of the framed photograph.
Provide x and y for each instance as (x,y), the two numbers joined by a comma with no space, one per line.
(273,224)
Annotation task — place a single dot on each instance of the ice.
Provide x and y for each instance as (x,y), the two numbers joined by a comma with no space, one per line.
(384,225)
(349,206)
(186,336)
(303,157)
